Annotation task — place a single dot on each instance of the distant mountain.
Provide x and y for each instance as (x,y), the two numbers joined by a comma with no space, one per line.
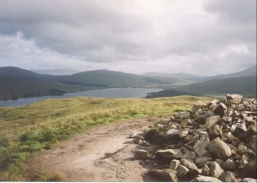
(16,72)
(114,79)
(57,71)
(247,72)
(178,75)
(196,78)
(19,83)
(216,87)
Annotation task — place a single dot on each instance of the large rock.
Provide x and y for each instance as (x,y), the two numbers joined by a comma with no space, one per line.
(205,179)
(197,106)
(210,121)
(168,154)
(219,149)
(215,169)
(165,175)
(220,109)
(228,177)
(234,98)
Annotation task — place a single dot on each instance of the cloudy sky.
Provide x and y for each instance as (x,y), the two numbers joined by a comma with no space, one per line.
(204,37)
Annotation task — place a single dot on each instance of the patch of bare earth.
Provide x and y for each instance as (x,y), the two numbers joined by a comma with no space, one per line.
(103,153)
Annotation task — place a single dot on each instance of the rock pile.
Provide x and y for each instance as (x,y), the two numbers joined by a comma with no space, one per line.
(211,142)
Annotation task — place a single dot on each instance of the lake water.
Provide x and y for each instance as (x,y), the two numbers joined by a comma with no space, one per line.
(104,93)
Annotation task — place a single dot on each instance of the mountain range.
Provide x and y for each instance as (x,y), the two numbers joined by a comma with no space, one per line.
(20,83)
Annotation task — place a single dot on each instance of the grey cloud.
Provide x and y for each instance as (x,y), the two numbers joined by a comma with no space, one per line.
(239,11)
(116,31)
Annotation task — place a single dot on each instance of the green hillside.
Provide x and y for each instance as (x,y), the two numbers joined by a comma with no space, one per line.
(245,86)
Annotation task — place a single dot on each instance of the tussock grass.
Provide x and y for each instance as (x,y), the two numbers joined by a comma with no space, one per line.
(28,130)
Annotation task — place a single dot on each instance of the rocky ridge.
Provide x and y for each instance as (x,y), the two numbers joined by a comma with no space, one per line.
(212,142)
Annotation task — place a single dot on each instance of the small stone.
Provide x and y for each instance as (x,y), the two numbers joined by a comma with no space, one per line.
(137,138)
(199,146)
(199,160)
(206,170)
(140,154)
(189,164)
(205,179)
(220,109)
(219,149)
(182,170)
(230,164)
(174,164)
(165,175)
(241,149)
(227,119)
(228,177)
(240,107)
(168,154)
(210,121)
(229,136)
(132,135)
(241,126)
(220,161)
(184,132)
(215,131)
(197,106)
(249,180)
(144,143)
(234,98)
(252,129)
(215,169)
(252,143)
(204,153)
(188,138)
(189,155)
(243,162)
(186,115)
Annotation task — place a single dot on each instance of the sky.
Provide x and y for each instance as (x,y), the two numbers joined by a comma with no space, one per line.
(203,37)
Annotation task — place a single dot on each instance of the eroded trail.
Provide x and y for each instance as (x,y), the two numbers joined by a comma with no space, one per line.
(103,153)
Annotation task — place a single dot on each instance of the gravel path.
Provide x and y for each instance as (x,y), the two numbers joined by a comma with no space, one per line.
(103,153)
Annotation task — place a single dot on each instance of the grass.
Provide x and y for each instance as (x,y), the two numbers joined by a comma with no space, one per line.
(28,130)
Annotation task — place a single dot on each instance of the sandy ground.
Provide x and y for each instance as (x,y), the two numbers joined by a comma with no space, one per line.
(103,153)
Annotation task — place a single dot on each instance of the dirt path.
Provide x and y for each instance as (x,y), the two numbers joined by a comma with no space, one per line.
(104,153)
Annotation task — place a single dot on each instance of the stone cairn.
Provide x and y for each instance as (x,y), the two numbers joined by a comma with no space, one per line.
(212,142)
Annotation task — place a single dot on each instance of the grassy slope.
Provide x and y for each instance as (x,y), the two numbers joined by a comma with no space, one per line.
(245,86)
(26,131)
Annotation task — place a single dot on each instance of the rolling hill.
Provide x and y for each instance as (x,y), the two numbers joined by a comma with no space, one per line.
(245,86)
(20,83)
